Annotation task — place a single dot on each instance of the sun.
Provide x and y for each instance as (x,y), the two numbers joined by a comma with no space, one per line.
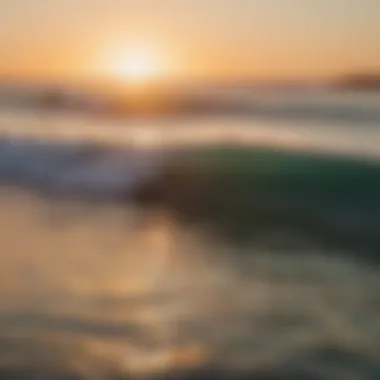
(138,66)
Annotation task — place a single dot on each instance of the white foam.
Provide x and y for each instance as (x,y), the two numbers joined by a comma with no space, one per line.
(76,167)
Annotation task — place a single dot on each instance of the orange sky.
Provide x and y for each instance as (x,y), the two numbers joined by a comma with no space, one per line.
(195,38)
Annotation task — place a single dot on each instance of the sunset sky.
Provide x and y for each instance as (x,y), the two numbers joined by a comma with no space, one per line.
(189,38)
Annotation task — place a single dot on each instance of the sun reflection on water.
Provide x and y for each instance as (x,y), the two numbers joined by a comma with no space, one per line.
(104,288)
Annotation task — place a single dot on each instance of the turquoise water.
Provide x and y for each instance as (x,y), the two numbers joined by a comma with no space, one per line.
(243,193)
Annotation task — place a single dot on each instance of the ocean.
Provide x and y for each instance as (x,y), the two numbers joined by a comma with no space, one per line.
(241,245)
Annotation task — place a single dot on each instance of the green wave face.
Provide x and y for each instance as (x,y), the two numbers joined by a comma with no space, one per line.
(242,191)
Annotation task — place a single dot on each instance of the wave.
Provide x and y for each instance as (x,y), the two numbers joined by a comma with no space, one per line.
(303,106)
(61,167)
(247,193)
(239,193)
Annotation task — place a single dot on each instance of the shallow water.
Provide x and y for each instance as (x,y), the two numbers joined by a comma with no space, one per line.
(99,288)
